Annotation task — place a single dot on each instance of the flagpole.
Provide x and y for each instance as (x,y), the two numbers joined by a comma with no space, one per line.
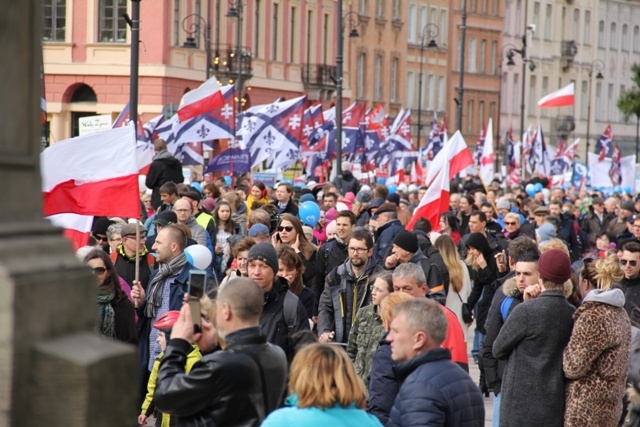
(486,189)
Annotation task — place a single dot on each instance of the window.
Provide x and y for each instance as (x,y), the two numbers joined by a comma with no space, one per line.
(471,66)
(586,30)
(410,89)
(54,20)
(598,114)
(257,29)
(433,16)
(413,23)
(516,92)
(444,20)
(536,17)
(393,95)
(441,96)
(532,95)
(274,32)
(112,28)
(471,5)
(518,22)
(576,24)
(601,34)
(483,7)
(584,99)
(423,21)
(325,32)
(363,7)
(612,35)
(293,33)
(380,8)
(480,113)
(361,74)
(377,78)
(431,94)
(625,37)
(545,91)
(548,21)
(469,116)
(636,38)
(494,7)
(492,60)
(483,53)
(610,102)
(396,9)
(310,31)
(176,22)
(507,18)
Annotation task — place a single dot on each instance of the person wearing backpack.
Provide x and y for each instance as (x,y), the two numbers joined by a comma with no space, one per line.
(283,314)
(523,261)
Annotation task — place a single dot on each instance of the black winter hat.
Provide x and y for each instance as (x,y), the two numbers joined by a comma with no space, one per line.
(406,240)
(478,241)
(266,253)
(100,226)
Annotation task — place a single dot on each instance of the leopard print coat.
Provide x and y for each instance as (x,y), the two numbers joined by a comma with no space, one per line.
(595,365)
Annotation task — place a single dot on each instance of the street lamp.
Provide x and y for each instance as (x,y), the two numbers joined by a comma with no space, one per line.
(532,66)
(339,59)
(432,31)
(235,12)
(596,65)
(195,28)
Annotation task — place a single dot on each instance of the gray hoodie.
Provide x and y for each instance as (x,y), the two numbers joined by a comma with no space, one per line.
(613,296)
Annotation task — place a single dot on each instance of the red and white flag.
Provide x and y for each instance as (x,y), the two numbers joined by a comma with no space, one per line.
(486,171)
(95,174)
(455,153)
(561,98)
(77,228)
(435,200)
(199,101)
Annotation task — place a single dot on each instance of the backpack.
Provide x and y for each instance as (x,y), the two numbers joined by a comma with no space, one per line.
(151,260)
(290,309)
(505,306)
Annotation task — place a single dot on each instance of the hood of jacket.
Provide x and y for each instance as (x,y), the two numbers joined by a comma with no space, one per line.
(510,288)
(478,241)
(368,270)
(613,297)
(347,175)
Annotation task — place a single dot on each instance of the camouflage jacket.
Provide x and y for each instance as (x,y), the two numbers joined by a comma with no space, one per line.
(363,340)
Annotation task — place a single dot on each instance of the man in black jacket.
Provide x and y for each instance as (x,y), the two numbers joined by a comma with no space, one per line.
(422,229)
(239,385)
(164,168)
(630,285)
(283,314)
(284,199)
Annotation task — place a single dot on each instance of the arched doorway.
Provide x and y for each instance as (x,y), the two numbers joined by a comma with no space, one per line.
(83,100)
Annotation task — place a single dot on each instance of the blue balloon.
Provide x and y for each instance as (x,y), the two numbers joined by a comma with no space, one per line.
(530,189)
(309,213)
(617,189)
(538,186)
(197,186)
(627,189)
(392,188)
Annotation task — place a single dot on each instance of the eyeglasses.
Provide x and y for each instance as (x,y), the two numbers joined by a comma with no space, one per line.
(510,223)
(182,210)
(632,262)
(358,250)
(99,271)
(288,228)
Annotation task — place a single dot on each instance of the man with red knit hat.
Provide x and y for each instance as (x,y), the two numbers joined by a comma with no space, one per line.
(532,339)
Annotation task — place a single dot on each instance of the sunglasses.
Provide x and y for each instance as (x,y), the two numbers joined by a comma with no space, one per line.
(99,270)
(509,223)
(101,238)
(632,262)
(288,228)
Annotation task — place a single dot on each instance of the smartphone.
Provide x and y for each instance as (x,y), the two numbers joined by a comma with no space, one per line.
(197,280)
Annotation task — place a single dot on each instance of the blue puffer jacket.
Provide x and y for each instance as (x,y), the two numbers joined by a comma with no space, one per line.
(436,392)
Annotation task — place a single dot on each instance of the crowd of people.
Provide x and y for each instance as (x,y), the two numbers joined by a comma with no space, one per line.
(351,319)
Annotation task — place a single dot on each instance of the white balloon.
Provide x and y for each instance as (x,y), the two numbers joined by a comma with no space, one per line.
(341,207)
(199,256)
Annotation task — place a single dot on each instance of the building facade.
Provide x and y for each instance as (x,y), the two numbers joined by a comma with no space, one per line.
(588,43)
(277,49)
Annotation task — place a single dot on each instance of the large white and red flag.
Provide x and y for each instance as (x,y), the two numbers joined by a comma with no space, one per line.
(95,174)
(487,160)
(561,98)
(77,228)
(435,200)
(201,100)
(455,153)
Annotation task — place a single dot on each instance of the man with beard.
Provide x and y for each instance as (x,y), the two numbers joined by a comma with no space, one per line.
(347,289)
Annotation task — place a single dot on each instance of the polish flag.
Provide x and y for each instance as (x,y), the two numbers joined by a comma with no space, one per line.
(77,228)
(199,101)
(95,174)
(455,153)
(487,159)
(435,200)
(561,98)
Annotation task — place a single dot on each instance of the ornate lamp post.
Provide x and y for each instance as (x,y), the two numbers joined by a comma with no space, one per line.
(194,25)
(432,31)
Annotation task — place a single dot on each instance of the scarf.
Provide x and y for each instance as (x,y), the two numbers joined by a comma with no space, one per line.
(121,251)
(164,154)
(154,293)
(106,325)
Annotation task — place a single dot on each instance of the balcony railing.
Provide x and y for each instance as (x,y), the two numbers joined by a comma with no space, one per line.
(319,75)
(231,61)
